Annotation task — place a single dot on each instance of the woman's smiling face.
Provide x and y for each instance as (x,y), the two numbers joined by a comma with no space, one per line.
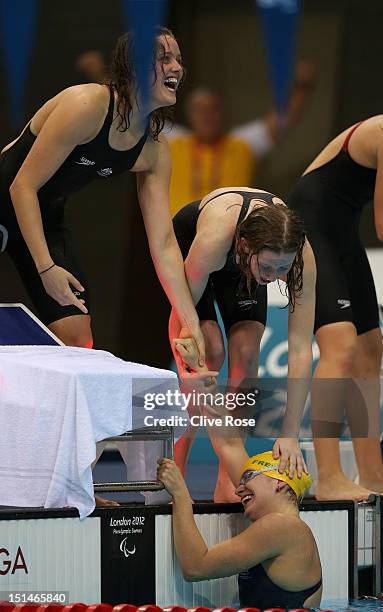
(256,491)
(168,72)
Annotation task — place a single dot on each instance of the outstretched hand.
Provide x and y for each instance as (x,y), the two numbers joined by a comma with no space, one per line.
(289,452)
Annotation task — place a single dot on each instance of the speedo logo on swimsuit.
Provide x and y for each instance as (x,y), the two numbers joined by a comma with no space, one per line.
(85,162)
(246,303)
(344,304)
(105,172)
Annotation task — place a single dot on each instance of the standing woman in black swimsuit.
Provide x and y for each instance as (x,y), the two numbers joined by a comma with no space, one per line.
(236,241)
(329,197)
(89,132)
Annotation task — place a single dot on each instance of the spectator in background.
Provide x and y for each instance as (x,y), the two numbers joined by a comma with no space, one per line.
(92,66)
(209,157)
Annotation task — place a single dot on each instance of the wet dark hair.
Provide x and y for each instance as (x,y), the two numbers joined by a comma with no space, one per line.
(123,80)
(275,227)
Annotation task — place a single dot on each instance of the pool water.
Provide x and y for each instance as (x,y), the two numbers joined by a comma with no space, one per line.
(359,605)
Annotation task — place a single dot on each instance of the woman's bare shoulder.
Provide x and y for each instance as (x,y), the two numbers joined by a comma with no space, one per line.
(88,103)
(96,97)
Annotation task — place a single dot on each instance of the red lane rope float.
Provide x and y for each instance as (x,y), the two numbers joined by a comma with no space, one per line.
(7,606)
(75,607)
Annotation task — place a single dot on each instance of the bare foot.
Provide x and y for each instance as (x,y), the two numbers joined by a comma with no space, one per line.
(375,484)
(102,502)
(338,488)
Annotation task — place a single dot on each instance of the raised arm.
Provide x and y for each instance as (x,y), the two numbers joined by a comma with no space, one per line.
(227,439)
(264,539)
(73,120)
(301,89)
(262,133)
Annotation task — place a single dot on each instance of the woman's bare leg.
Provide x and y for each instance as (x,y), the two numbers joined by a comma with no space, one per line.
(73,331)
(338,346)
(367,449)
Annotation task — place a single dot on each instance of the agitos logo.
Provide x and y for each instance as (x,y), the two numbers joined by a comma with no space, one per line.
(124,548)
(8,563)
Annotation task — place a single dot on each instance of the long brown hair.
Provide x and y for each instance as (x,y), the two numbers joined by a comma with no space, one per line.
(275,227)
(123,80)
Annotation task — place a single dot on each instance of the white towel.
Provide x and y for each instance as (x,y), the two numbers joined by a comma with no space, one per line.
(55,404)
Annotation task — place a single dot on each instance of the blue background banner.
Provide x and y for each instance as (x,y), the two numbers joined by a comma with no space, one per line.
(142,16)
(279,22)
(18,20)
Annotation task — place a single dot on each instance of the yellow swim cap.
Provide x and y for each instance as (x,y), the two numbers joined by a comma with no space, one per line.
(263,463)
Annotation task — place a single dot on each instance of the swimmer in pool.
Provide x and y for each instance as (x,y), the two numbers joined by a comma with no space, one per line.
(276,557)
